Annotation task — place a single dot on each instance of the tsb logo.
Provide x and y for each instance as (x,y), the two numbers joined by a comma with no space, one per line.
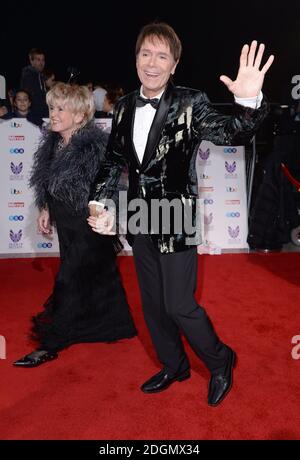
(16,151)
(16,218)
(233,214)
(229,150)
(44,245)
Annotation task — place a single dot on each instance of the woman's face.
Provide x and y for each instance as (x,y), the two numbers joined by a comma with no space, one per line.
(22,102)
(63,120)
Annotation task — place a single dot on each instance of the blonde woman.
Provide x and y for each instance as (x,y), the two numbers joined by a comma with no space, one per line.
(88,302)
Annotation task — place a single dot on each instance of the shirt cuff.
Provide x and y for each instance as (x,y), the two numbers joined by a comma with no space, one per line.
(97,202)
(252,102)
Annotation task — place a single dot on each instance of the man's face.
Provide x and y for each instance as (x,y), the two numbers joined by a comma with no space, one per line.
(38,62)
(154,64)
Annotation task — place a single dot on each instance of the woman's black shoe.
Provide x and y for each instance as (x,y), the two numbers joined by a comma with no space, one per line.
(36,358)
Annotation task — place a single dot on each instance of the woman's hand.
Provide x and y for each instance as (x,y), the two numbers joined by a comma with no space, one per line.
(103,224)
(43,221)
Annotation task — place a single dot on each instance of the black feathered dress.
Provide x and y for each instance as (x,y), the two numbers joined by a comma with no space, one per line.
(88,302)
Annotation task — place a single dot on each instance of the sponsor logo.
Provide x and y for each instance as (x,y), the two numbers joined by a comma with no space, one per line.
(232,202)
(15,150)
(15,124)
(16,169)
(231,189)
(233,214)
(16,218)
(204,177)
(15,238)
(229,150)
(204,155)
(231,170)
(208,218)
(205,189)
(16,204)
(208,201)
(14,191)
(230,167)
(16,138)
(234,234)
(44,245)
(104,125)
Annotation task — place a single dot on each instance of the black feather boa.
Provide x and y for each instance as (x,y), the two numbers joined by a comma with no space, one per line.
(68,174)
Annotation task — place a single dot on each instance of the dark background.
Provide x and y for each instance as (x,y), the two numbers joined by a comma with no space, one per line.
(99,39)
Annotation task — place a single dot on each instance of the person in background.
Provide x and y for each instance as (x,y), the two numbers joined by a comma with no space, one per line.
(90,86)
(88,302)
(32,80)
(49,78)
(5,110)
(22,108)
(99,93)
(112,95)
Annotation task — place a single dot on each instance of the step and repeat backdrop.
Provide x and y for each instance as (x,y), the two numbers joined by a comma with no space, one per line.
(221,181)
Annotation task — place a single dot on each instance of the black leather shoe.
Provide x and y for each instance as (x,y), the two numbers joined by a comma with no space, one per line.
(162,381)
(220,384)
(36,358)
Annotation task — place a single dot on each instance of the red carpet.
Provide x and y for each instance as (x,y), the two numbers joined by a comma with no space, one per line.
(92,390)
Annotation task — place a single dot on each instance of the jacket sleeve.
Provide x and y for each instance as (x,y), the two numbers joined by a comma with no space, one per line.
(107,182)
(235,129)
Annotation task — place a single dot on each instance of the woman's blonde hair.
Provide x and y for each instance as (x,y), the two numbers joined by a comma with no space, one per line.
(77,99)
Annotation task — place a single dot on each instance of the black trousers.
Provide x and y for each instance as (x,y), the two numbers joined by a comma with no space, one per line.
(167,284)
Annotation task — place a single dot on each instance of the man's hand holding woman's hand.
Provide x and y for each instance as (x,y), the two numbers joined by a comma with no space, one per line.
(101,220)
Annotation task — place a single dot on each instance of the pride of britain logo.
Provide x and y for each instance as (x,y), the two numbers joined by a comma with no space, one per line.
(230,170)
(15,238)
(204,156)
(16,169)
(208,218)
(234,233)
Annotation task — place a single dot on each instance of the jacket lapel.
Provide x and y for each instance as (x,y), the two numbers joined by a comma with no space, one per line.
(130,115)
(157,125)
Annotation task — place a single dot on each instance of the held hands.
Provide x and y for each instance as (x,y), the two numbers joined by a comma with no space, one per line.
(43,221)
(101,220)
(250,79)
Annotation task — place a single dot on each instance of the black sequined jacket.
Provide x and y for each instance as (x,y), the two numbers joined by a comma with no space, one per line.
(183,119)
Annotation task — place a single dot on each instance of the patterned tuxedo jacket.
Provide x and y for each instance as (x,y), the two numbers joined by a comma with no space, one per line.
(183,119)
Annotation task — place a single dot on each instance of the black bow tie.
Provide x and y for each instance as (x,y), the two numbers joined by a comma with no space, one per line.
(141,101)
